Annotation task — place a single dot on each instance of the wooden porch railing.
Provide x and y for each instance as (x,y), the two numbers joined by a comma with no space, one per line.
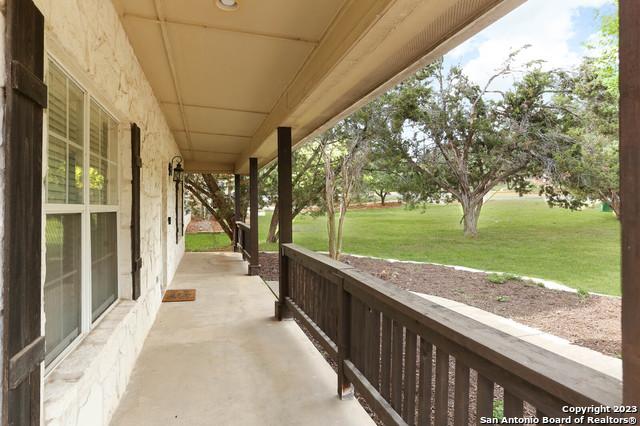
(416,362)
(243,232)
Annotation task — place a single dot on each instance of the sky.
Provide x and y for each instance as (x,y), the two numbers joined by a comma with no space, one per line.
(557,31)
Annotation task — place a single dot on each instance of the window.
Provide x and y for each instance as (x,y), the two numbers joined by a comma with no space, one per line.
(104,262)
(65,153)
(62,291)
(81,208)
(103,169)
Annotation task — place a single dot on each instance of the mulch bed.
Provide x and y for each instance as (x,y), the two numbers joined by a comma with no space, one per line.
(592,322)
(199,225)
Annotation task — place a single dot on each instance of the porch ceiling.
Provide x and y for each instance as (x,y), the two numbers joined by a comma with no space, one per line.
(227,79)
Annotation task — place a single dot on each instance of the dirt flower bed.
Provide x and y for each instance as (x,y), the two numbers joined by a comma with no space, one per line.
(592,321)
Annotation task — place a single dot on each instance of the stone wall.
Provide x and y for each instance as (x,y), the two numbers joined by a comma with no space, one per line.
(2,147)
(87,38)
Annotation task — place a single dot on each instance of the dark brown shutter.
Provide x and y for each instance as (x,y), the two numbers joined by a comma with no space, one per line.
(136,165)
(26,96)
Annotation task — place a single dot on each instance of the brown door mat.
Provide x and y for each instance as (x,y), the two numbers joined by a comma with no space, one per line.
(182,295)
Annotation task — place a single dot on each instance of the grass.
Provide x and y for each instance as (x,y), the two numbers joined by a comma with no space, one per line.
(519,237)
(207,241)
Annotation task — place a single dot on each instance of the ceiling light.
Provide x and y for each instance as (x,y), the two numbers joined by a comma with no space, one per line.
(227,4)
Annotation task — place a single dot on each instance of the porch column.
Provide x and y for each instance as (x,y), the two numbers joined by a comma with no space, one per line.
(237,212)
(630,196)
(285,207)
(254,263)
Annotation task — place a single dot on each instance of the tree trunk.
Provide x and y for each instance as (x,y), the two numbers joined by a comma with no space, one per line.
(383,196)
(272,235)
(340,234)
(330,189)
(471,208)
(614,202)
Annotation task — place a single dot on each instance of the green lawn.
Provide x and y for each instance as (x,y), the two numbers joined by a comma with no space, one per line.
(207,241)
(525,237)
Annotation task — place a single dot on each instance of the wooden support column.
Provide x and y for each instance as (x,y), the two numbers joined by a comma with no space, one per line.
(285,208)
(254,262)
(630,196)
(237,212)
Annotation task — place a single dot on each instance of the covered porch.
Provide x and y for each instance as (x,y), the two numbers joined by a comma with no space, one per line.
(230,91)
(224,359)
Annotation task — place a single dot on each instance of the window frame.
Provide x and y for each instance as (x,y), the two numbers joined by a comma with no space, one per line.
(85,209)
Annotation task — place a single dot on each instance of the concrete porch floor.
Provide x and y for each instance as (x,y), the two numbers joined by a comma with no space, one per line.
(224,360)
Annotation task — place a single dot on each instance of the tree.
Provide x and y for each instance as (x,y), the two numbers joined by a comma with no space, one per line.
(307,183)
(590,169)
(466,139)
(382,175)
(213,191)
(345,150)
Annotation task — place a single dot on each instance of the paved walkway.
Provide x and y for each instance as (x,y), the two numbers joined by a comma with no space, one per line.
(223,360)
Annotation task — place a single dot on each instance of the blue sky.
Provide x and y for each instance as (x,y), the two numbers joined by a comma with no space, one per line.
(557,31)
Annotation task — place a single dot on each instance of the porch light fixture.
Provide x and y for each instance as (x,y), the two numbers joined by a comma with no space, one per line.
(176,171)
(227,5)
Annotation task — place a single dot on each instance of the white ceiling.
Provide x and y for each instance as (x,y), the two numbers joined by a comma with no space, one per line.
(226,79)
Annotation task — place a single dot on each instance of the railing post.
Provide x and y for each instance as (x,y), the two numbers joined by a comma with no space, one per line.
(285,207)
(237,213)
(630,195)
(254,261)
(345,388)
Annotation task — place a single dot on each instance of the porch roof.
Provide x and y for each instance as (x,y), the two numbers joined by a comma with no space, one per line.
(227,79)
(223,359)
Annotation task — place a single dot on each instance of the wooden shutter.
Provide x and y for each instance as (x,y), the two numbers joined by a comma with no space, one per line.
(136,165)
(26,96)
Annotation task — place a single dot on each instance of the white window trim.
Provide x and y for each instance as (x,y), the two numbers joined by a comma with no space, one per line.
(85,210)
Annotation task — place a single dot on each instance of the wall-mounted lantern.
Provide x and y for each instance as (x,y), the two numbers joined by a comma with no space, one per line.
(176,171)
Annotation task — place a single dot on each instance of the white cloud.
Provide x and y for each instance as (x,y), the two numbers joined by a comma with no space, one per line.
(546,25)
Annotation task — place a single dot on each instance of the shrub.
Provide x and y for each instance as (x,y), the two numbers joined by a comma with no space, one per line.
(502,278)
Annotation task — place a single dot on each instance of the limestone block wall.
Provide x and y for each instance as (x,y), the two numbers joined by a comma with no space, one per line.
(2,147)
(87,38)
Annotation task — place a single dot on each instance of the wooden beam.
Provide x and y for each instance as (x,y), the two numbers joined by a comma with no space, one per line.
(285,208)
(254,262)
(168,51)
(191,166)
(275,36)
(237,214)
(630,196)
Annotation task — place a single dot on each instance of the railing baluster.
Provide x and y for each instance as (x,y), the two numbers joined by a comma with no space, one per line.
(442,387)
(385,376)
(345,388)
(374,350)
(484,399)
(512,405)
(367,343)
(424,390)
(409,408)
(461,398)
(396,367)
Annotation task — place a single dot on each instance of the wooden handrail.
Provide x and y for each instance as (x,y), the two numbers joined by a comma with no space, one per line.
(241,244)
(376,311)
(243,226)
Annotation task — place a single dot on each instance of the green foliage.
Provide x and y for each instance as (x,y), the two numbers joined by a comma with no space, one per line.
(498,409)
(583,294)
(589,169)
(498,278)
(466,139)
(502,298)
